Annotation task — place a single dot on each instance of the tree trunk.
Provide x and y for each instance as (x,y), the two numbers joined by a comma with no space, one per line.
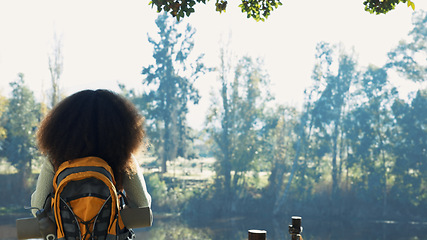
(165,154)
(334,163)
(226,138)
(281,200)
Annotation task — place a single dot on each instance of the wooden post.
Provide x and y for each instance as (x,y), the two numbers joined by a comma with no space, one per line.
(295,229)
(257,234)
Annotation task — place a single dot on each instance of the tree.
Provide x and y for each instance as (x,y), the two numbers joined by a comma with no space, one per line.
(55,68)
(249,97)
(3,109)
(408,58)
(222,137)
(277,144)
(368,128)
(380,6)
(171,87)
(259,9)
(21,120)
(236,123)
(280,142)
(329,108)
(410,169)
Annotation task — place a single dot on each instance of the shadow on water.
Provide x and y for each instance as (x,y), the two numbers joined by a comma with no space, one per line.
(167,227)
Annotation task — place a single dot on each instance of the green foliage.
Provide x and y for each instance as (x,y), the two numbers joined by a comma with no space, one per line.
(278,148)
(407,57)
(21,119)
(328,111)
(409,148)
(157,188)
(168,195)
(368,128)
(247,103)
(235,126)
(170,84)
(176,8)
(384,6)
(259,9)
(3,109)
(256,9)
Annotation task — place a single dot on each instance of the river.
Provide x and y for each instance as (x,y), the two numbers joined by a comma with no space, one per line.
(277,229)
(172,227)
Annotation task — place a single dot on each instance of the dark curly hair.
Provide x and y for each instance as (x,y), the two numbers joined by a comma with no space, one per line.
(96,123)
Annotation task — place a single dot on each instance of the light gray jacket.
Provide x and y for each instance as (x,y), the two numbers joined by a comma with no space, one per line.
(133,184)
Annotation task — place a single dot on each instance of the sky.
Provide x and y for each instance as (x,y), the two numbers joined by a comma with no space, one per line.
(105,42)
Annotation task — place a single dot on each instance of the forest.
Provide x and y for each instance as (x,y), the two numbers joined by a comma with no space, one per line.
(356,149)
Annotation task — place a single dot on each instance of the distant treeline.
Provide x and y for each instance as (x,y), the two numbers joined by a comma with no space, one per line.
(355,149)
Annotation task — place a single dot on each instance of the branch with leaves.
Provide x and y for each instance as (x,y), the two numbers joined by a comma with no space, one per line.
(259,9)
(384,6)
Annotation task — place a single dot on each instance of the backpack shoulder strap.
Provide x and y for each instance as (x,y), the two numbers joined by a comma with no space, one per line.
(81,165)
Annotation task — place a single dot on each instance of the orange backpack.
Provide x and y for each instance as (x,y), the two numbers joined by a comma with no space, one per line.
(85,202)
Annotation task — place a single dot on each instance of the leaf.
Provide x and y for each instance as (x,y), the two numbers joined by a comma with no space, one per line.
(411,4)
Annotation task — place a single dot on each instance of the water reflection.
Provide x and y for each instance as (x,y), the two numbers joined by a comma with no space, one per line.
(179,228)
(236,228)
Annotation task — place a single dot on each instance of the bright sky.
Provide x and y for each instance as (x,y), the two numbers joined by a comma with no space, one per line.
(105,41)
